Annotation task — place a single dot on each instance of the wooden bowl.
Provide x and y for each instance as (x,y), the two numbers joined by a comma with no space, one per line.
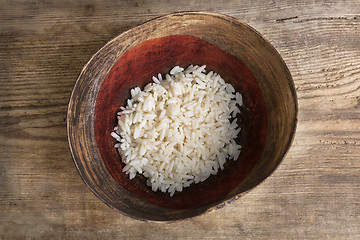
(227,46)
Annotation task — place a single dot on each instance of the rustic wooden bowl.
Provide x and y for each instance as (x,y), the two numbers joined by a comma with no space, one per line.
(227,46)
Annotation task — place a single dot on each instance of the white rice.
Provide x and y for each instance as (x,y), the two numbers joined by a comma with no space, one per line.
(179,130)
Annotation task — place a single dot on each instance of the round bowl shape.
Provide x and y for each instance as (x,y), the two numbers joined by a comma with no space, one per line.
(231,48)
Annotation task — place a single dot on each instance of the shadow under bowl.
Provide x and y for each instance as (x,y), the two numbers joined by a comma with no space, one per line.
(226,46)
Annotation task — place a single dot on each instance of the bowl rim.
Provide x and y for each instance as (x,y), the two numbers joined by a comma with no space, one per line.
(221,16)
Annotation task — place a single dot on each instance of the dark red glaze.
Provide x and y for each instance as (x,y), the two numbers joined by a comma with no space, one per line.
(135,68)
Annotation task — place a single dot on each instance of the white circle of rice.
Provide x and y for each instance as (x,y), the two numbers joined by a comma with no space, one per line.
(179,130)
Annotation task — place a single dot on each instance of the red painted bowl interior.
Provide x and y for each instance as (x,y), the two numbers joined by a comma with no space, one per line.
(135,68)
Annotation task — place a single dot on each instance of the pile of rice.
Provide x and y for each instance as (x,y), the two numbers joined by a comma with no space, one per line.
(179,130)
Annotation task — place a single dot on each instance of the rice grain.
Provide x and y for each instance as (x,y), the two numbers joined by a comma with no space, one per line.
(180,129)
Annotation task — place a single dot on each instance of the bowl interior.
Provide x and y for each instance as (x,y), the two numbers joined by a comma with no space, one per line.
(135,68)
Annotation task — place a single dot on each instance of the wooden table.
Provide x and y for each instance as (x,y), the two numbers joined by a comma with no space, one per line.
(314,194)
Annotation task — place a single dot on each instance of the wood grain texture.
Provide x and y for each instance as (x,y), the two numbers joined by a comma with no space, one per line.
(315,192)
